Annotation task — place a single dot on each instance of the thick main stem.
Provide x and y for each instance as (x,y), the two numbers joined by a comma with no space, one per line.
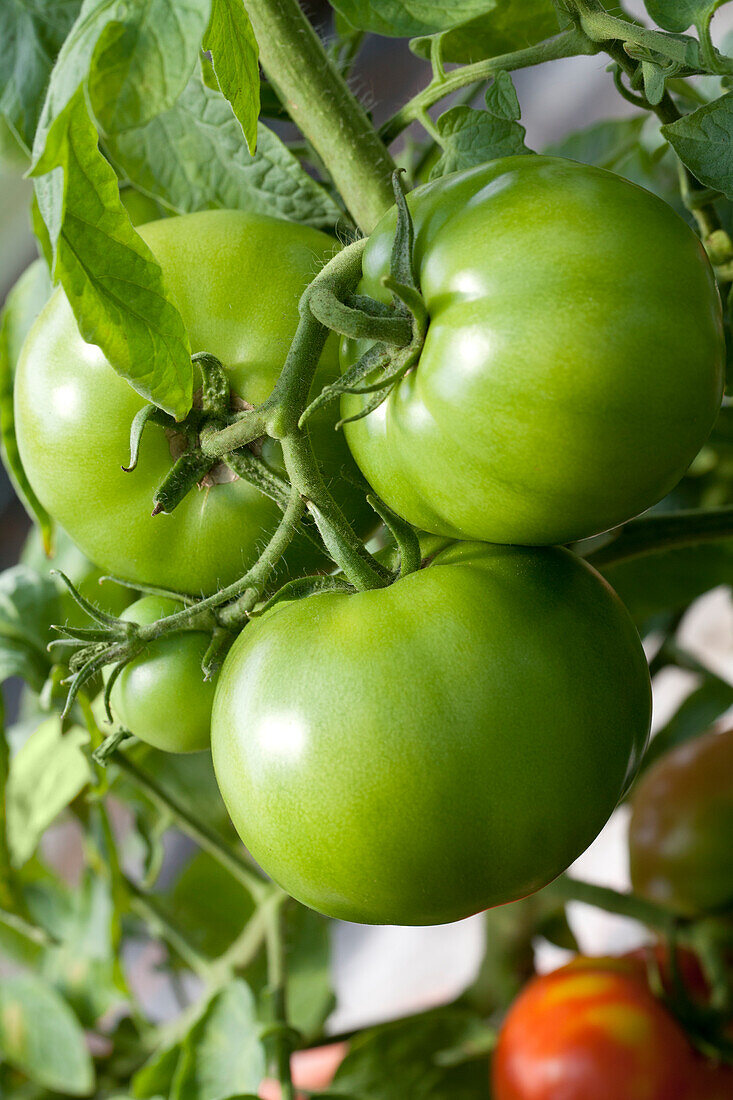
(321,104)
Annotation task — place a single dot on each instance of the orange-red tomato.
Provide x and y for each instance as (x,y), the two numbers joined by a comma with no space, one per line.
(593,1031)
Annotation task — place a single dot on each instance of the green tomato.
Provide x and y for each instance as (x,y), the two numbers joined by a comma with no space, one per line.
(681,827)
(162,696)
(573,364)
(84,575)
(236,279)
(414,754)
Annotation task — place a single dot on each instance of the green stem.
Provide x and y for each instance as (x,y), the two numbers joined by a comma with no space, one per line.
(665,531)
(281,415)
(321,104)
(649,913)
(276,991)
(204,836)
(611,34)
(570,43)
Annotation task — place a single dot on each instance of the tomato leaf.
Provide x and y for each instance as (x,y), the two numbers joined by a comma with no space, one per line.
(31,35)
(678,15)
(401,1059)
(109,274)
(29,603)
(46,774)
(192,158)
(134,55)
(503,26)
(703,142)
(40,1036)
(22,305)
(234,53)
(470,137)
(222,1055)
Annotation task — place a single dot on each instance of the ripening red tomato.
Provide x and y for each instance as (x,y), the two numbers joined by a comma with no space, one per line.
(593,1031)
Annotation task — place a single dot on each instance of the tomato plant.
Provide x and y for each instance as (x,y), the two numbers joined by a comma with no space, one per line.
(74,412)
(570,372)
(459,698)
(162,696)
(418,706)
(680,828)
(591,1029)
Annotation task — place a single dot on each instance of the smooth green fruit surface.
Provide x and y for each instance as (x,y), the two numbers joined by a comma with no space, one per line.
(236,279)
(162,696)
(414,754)
(573,364)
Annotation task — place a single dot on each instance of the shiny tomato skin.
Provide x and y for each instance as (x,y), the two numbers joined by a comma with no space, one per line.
(573,363)
(414,754)
(681,827)
(236,279)
(592,1031)
(162,696)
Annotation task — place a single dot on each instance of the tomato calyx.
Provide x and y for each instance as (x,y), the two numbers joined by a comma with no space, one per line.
(215,407)
(398,330)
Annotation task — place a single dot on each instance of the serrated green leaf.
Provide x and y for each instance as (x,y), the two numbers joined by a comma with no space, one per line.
(501,98)
(470,137)
(135,55)
(28,606)
(222,1055)
(31,35)
(193,158)
(22,306)
(111,278)
(40,1036)
(678,15)
(504,26)
(231,42)
(703,140)
(46,774)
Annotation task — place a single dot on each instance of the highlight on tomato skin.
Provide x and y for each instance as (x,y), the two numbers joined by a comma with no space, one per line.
(593,1030)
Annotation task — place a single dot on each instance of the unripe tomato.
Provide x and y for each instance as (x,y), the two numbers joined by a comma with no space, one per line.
(681,828)
(414,754)
(236,279)
(573,363)
(162,696)
(592,1031)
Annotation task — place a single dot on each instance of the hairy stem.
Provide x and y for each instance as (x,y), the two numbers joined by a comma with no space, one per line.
(321,104)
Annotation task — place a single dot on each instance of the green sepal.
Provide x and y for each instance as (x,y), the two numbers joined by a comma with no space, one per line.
(147,413)
(185,473)
(301,588)
(402,532)
(215,384)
